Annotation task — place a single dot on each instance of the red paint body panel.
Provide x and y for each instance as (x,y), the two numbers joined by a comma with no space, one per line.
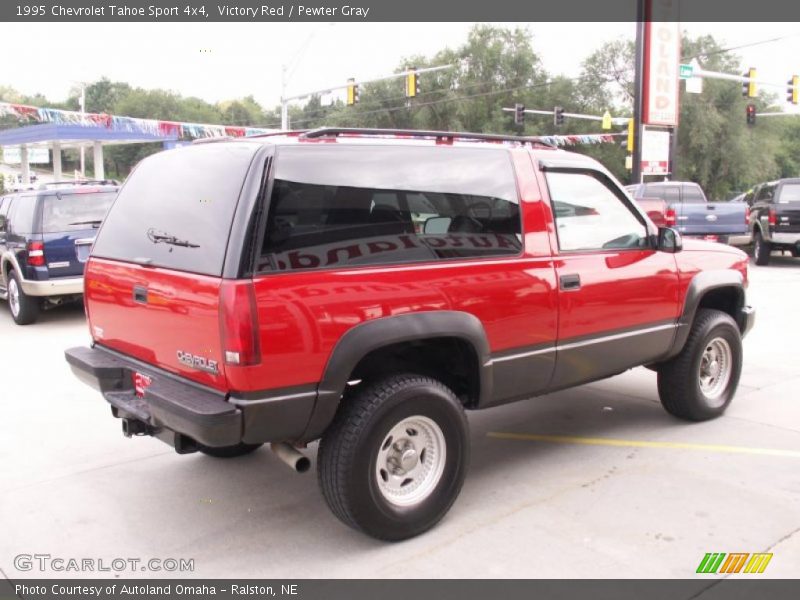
(181,313)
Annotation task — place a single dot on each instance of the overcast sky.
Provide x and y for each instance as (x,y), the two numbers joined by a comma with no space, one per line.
(219,61)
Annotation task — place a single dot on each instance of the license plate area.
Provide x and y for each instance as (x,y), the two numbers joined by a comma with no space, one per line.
(140,383)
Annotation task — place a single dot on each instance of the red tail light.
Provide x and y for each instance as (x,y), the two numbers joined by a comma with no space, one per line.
(773,218)
(36,254)
(239,323)
(747,215)
(670,217)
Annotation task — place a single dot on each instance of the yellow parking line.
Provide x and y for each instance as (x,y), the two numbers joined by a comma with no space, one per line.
(590,441)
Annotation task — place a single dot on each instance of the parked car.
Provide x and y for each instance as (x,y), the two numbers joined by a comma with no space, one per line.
(744,239)
(366,287)
(775,218)
(692,214)
(45,238)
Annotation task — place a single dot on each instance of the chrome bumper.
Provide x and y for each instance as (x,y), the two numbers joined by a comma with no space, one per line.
(53,287)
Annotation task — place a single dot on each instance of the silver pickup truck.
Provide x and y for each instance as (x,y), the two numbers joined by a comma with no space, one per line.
(687,208)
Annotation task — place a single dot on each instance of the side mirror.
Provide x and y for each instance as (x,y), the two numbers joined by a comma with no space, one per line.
(669,240)
(437,225)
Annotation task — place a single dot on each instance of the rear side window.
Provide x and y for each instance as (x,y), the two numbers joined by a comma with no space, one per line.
(22,215)
(177,207)
(343,206)
(766,193)
(75,211)
(790,193)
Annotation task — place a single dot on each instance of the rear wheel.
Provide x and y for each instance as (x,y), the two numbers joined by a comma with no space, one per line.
(761,249)
(24,308)
(394,460)
(229,451)
(700,382)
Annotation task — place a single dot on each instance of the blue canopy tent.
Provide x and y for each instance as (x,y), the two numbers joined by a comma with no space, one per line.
(60,136)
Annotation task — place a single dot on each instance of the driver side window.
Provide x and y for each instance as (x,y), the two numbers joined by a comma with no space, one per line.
(590,216)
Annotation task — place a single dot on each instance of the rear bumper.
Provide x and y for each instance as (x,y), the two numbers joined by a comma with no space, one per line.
(790,239)
(53,287)
(169,403)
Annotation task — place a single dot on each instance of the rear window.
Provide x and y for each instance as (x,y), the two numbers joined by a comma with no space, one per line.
(692,194)
(74,211)
(344,206)
(668,193)
(177,207)
(790,193)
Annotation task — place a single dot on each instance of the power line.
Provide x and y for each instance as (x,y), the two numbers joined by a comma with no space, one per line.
(748,45)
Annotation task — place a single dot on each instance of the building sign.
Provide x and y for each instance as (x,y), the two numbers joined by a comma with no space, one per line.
(655,152)
(36,156)
(662,54)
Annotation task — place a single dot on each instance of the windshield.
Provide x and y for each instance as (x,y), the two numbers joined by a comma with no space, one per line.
(74,211)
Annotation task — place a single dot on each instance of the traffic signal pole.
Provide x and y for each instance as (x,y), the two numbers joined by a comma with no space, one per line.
(286,99)
(638,88)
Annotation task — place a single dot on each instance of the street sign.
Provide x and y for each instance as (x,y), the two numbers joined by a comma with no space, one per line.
(655,152)
(36,156)
(685,71)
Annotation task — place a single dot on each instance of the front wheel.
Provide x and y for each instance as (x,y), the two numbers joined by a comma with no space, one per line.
(761,249)
(394,459)
(700,382)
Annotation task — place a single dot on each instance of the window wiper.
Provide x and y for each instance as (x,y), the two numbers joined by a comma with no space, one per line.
(159,237)
(95,223)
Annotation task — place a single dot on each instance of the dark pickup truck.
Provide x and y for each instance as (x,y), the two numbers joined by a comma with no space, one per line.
(775,218)
(687,209)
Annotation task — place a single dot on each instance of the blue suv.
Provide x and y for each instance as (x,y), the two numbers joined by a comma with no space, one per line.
(45,239)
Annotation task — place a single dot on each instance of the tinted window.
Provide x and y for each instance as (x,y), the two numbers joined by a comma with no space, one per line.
(668,193)
(693,194)
(362,205)
(590,216)
(21,215)
(790,192)
(4,203)
(73,211)
(177,207)
(766,193)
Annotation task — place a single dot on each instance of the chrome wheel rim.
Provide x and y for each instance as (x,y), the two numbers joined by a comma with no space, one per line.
(716,366)
(410,461)
(13,296)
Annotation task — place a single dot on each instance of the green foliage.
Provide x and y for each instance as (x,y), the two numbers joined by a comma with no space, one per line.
(494,68)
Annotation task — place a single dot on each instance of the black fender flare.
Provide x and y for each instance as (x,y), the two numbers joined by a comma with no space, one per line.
(702,283)
(375,334)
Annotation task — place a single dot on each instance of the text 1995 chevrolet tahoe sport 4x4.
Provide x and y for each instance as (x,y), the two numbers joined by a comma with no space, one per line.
(366,287)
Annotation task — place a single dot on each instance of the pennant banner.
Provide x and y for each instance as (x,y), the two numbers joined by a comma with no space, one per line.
(125,124)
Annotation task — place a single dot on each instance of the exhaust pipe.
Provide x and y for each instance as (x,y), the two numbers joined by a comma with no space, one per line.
(289,454)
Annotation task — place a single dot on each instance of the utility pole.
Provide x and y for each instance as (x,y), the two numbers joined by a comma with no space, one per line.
(636,167)
(83,116)
(284,101)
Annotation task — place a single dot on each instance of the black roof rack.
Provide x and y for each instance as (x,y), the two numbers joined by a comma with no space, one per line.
(416,133)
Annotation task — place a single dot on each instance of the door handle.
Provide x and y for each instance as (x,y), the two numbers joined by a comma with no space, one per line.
(140,294)
(570,282)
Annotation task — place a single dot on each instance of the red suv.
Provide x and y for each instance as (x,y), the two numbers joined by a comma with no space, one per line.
(366,287)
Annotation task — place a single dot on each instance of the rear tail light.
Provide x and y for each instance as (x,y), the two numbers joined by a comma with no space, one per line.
(239,323)
(773,217)
(747,215)
(670,217)
(36,254)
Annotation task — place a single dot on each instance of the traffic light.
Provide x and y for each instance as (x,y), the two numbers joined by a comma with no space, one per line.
(749,86)
(519,114)
(751,114)
(558,115)
(791,91)
(412,82)
(352,92)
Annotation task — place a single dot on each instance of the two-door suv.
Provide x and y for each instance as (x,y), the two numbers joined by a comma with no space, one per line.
(366,287)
